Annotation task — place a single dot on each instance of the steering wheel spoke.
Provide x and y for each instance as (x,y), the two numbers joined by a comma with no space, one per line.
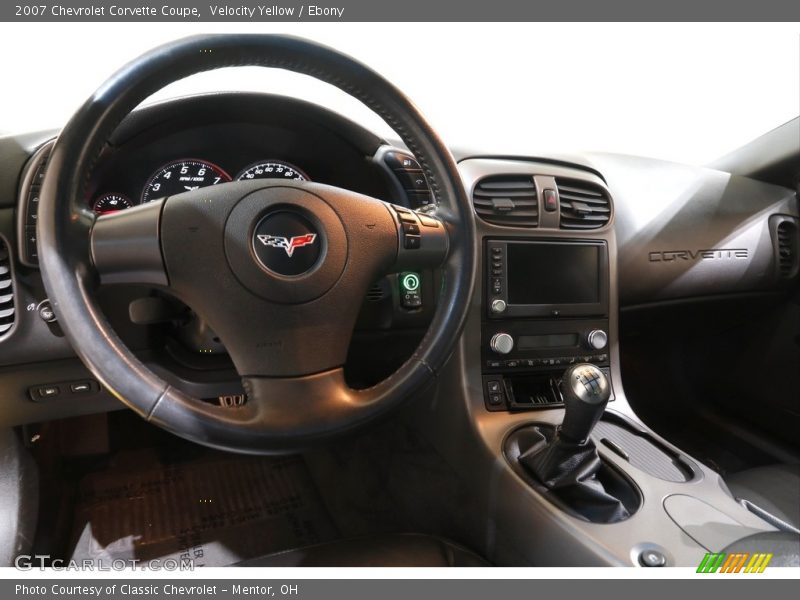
(126,246)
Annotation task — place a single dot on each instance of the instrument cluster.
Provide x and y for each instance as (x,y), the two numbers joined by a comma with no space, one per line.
(187,174)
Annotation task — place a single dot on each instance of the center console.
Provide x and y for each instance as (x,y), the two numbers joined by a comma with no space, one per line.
(508,411)
(546,307)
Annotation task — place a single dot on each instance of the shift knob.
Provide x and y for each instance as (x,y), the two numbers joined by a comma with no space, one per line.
(586,390)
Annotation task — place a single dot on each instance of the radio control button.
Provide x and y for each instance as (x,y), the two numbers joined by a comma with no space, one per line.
(494,364)
(498,306)
(502,343)
(512,364)
(597,339)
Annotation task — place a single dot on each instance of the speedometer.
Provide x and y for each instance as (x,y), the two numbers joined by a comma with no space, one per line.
(181,176)
(272,169)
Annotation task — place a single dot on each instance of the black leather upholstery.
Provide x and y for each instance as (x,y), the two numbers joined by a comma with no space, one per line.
(394,550)
(774,489)
(570,470)
(784,547)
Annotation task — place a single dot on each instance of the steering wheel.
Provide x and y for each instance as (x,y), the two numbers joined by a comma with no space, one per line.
(276,268)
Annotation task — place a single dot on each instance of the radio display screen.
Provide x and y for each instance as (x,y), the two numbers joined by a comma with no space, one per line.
(553,273)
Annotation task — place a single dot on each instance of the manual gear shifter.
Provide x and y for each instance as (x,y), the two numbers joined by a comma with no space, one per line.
(586,391)
(567,463)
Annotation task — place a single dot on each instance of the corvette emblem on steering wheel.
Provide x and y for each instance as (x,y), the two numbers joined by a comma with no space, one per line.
(288,244)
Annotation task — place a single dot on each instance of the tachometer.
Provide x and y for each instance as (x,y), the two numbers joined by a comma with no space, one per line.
(108,203)
(272,169)
(182,176)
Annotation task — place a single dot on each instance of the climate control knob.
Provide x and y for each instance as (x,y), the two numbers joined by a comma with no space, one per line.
(502,343)
(498,306)
(597,339)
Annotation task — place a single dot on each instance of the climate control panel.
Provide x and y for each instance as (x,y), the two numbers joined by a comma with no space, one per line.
(519,345)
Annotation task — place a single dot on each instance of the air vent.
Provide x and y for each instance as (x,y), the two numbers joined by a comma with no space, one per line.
(507,200)
(376,293)
(786,238)
(584,205)
(7,309)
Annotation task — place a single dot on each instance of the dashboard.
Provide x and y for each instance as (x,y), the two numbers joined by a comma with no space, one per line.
(177,146)
(642,231)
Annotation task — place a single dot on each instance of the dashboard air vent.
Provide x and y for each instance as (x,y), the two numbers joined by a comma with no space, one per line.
(787,250)
(7,309)
(376,293)
(507,200)
(584,205)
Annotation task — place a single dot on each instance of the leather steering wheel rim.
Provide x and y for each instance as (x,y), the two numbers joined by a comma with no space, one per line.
(301,409)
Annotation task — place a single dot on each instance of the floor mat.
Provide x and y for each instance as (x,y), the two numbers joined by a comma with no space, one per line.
(215,511)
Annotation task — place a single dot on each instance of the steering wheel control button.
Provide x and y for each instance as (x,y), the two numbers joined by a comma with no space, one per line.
(46,312)
(410,294)
(652,558)
(409,228)
(286,243)
(397,161)
(427,221)
(419,199)
(412,180)
(412,242)
(407,217)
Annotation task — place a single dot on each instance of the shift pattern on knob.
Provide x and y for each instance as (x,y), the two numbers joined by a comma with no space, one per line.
(587,383)
(590,380)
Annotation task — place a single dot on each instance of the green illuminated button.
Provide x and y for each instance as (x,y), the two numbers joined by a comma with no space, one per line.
(410,281)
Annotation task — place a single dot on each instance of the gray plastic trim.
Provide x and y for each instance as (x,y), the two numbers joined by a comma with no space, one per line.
(28,173)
